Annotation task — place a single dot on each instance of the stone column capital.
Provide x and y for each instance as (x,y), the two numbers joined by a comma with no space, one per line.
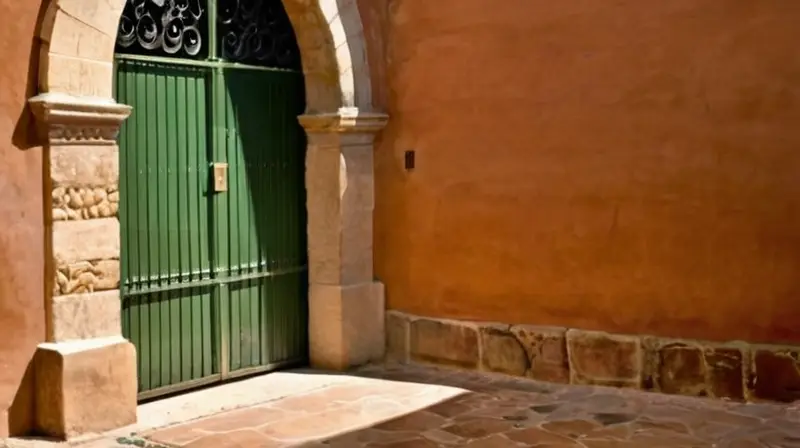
(343,123)
(69,120)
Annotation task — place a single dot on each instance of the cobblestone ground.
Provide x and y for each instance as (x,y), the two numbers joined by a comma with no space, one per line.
(419,407)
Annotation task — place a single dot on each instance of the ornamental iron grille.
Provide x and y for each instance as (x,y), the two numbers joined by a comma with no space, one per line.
(252,32)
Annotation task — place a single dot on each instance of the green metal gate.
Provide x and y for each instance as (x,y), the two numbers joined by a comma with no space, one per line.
(212,198)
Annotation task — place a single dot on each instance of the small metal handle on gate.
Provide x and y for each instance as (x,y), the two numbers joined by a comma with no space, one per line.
(220,172)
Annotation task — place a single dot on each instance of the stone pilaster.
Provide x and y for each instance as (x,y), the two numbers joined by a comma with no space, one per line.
(346,303)
(85,356)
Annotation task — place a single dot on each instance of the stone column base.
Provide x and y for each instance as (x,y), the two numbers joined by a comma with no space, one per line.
(85,386)
(346,325)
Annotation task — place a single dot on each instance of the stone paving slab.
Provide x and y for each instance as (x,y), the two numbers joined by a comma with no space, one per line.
(420,407)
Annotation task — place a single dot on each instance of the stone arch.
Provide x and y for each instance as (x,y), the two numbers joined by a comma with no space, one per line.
(79,120)
(78,50)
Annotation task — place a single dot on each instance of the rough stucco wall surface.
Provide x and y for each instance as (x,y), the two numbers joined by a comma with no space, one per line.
(21,220)
(628,166)
(374,19)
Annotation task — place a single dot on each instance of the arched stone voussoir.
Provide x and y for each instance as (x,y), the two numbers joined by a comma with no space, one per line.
(78,51)
(78,47)
(331,39)
(100,16)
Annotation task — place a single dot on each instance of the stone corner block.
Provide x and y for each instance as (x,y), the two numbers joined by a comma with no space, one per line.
(546,348)
(501,351)
(86,240)
(346,325)
(444,342)
(604,359)
(397,336)
(86,316)
(85,386)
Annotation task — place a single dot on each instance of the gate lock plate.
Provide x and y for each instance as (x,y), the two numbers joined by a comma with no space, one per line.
(220,173)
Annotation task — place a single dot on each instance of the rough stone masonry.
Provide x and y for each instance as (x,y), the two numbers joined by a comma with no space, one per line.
(735,370)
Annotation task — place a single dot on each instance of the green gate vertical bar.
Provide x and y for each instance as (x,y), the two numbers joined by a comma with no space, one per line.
(219,309)
(221,255)
(213,51)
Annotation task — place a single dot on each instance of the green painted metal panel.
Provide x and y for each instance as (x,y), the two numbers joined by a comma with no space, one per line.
(163,216)
(262,217)
(214,284)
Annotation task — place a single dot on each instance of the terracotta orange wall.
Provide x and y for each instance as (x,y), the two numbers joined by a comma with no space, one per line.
(629,166)
(21,220)
(375,20)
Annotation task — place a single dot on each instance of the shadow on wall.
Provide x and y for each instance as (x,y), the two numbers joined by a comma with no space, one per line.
(21,282)
(25,133)
(271,145)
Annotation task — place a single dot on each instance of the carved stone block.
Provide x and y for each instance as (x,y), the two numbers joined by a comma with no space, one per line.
(87,277)
(70,204)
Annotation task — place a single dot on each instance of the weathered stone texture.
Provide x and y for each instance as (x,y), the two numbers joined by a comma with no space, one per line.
(397,336)
(84,165)
(681,370)
(77,76)
(777,373)
(340,183)
(86,255)
(92,18)
(560,355)
(725,367)
(604,359)
(73,377)
(94,239)
(346,325)
(85,203)
(546,348)
(446,342)
(86,316)
(502,351)
(694,368)
(86,277)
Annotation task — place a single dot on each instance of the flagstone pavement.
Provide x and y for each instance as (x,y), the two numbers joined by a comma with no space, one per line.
(420,407)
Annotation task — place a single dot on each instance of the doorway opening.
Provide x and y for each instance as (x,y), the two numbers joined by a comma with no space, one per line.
(214,269)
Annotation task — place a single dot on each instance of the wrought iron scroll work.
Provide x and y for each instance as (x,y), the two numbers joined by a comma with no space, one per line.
(173,28)
(256,32)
